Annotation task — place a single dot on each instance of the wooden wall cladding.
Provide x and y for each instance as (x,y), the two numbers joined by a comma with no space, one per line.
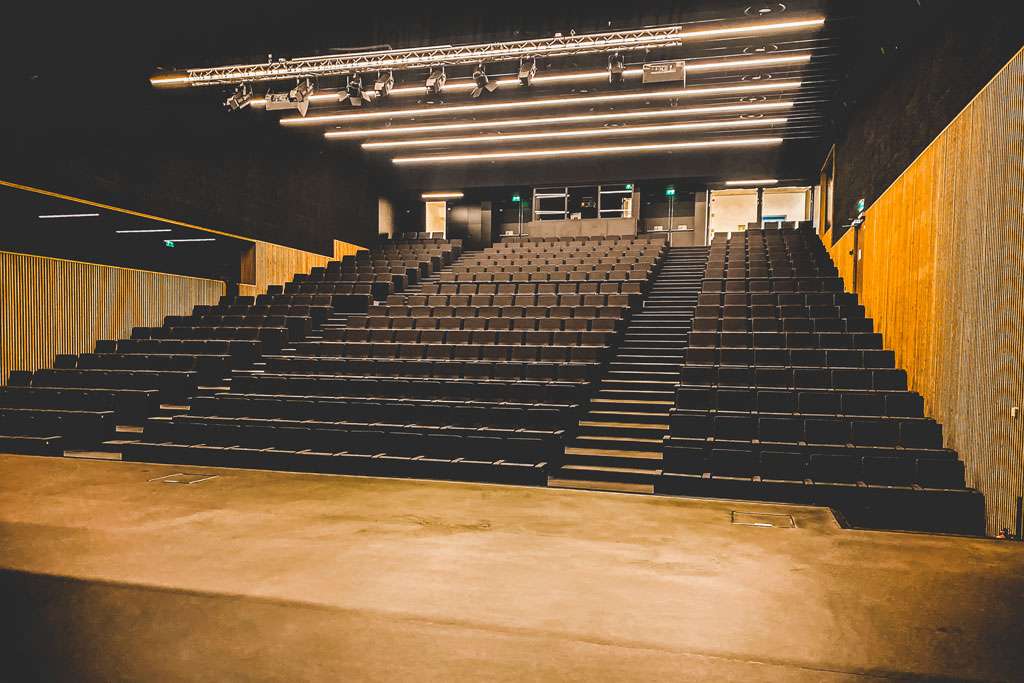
(50,306)
(272,264)
(942,274)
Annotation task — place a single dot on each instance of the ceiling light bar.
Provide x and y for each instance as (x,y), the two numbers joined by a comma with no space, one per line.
(441,195)
(748,108)
(764,181)
(196,239)
(426,58)
(582,133)
(745,63)
(70,215)
(444,110)
(586,151)
(139,232)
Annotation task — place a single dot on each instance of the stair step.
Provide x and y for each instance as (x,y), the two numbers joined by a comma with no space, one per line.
(590,485)
(631,475)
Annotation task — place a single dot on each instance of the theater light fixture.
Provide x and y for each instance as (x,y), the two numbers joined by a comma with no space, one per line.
(430,196)
(581,133)
(482,82)
(742,109)
(527,71)
(296,98)
(194,239)
(746,63)
(139,232)
(70,215)
(384,84)
(616,67)
(763,181)
(354,91)
(435,81)
(585,151)
(698,91)
(240,98)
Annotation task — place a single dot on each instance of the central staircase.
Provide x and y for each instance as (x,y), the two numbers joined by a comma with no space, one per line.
(618,446)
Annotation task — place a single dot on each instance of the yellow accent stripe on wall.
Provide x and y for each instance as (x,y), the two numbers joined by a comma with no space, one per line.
(50,306)
(942,274)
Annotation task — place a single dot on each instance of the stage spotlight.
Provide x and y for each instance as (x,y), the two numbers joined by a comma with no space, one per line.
(240,98)
(527,70)
(616,68)
(385,81)
(353,91)
(435,81)
(482,82)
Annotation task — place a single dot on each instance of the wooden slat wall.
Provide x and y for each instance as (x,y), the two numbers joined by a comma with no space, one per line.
(942,274)
(50,306)
(273,264)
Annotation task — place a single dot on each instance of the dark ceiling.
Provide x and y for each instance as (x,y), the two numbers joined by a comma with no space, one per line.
(82,78)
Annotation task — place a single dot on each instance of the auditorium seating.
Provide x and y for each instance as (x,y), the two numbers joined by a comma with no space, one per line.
(389,268)
(786,394)
(434,382)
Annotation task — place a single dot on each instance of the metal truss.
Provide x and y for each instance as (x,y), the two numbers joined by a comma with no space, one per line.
(448,55)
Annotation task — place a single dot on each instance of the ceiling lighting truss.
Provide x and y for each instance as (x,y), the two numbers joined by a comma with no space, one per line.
(435,57)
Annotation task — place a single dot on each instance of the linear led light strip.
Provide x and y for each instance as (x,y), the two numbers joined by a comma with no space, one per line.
(70,215)
(194,239)
(753,107)
(323,119)
(441,195)
(320,66)
(582,133)
(746,62)
(132,232)
(585,151)
(764,181)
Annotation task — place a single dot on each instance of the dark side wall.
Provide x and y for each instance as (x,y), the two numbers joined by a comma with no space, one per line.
(916,65)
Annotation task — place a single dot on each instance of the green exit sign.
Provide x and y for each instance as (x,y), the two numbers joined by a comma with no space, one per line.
(515,198)
(860,205)
(629,186)
(168,243)
(670,191)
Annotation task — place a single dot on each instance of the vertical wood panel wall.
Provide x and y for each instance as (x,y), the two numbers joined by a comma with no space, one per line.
(272,264)
(50,306)
(942,274)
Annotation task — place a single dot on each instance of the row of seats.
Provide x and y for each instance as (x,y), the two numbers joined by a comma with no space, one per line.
(525,349)
(605,319)
(272,338)
(524,368)
(370,409)
(128,405)
(76,427)
(936,470)
(174,386)
(242,351)
(804,358)
(532,299)
(778,285)
(807,402)
(864,430)
(640,273)
(545,306)
(411,439)
(778,323)
(325,384)
(528,289)
(782,340)
(879,379)
(582,337)
(298,327)
(746,300)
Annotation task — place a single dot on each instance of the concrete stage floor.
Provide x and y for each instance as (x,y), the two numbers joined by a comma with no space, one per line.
(106,575)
